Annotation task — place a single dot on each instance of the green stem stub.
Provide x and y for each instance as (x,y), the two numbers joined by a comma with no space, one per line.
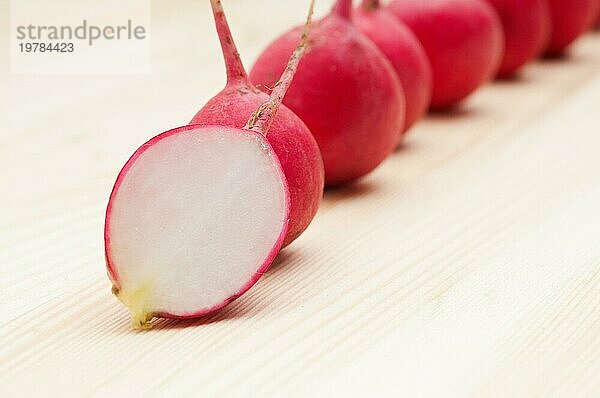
(137,302)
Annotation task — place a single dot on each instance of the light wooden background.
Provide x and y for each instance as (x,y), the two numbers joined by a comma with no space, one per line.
(468,265)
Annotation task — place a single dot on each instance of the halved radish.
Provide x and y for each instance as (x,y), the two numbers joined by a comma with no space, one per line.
(198,214)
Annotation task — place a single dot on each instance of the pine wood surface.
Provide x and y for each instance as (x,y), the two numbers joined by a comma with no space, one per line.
(467,265)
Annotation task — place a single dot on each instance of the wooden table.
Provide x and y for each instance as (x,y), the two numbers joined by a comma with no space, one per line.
(467,265)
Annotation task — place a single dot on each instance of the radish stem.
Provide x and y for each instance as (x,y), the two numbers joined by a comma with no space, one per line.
(233,62)
(262,119)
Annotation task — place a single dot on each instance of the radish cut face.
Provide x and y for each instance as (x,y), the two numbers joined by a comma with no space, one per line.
(195,217)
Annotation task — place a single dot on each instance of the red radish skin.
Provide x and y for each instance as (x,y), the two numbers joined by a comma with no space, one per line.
(291,140)
(527,26)
(346,92)
(404,51)
(570,19)
(463,40)
(594,19)
(198,214)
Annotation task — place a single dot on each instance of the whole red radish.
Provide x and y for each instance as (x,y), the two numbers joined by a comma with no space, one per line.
(570,19)
(198,214)
(346,91)
(527,27)
(463,40)
(292,141)
(405,52)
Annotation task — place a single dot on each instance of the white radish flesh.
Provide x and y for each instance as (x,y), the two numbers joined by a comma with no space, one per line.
(196,216)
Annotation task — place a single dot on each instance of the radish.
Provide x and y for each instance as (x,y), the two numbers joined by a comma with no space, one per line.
(291,140)
(570,19)
(405,52)
(463,40)
(346,91)
(198,214)
(527,26)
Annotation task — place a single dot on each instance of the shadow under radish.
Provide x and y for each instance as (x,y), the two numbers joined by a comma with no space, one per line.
(519,77)
(349,191)
(284,259)
(457,112)
(244,307)
(234,311)
(569,56)
(405,146)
